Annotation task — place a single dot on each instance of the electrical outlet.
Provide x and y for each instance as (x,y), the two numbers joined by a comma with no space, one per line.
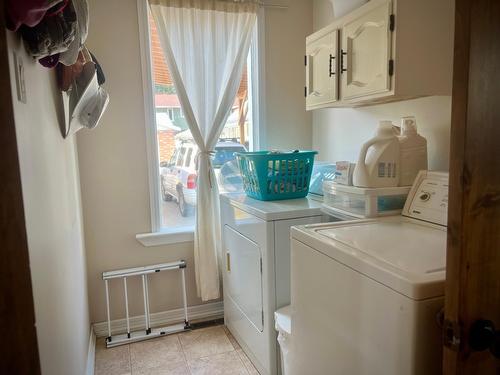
(20,84)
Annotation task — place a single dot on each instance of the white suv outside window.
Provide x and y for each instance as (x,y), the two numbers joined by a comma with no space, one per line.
(178,176)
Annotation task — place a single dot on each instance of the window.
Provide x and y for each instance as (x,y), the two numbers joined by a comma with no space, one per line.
(171,146)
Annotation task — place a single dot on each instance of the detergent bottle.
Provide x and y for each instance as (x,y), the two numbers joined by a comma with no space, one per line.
(413,151)
(378,162)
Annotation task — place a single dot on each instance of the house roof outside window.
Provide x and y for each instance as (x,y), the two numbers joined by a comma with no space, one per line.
(167,101)
(161,73)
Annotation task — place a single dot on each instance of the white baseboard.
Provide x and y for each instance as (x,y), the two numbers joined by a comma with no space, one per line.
(91,353)
(208,311)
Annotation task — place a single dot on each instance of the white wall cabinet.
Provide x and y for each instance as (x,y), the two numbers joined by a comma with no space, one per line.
(386,50)
(321,69)
(366,53)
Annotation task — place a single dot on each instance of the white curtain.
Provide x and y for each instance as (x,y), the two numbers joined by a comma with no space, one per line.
(206,44)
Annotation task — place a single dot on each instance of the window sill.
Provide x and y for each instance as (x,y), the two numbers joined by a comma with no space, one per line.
(166,236)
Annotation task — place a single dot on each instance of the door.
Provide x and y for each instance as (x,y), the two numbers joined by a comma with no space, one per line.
(321,70)
(473,256)
(365,53)
(244,275)
(19,348)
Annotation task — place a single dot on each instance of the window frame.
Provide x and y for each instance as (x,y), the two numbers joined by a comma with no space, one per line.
(162,236)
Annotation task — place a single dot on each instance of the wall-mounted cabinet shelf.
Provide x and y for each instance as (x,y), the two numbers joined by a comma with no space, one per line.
(384,51)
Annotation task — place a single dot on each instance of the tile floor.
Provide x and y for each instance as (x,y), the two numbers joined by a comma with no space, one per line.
(205,351)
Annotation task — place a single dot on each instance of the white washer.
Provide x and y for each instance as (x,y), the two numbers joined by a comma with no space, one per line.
(365,293)
(256,269)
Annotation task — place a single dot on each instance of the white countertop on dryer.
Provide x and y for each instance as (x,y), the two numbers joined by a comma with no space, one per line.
(274,210)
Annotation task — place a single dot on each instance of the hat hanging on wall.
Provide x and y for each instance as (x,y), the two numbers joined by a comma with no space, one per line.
(53,35)
(85,102)
(26,12)
(59,36)
(100,73)
(66,75)
(82,18)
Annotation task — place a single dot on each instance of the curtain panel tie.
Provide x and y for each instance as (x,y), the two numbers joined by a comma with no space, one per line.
(209,154)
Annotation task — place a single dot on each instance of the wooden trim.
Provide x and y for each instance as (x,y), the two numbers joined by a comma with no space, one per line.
(473,259)
(457,151)
(18,348)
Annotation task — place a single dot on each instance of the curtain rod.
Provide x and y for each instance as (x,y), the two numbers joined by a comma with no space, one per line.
(276,6)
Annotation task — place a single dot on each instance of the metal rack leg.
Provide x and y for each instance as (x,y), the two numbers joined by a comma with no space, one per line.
(148,331)
(107,310)
(146,312)
(126,306)
(184,296)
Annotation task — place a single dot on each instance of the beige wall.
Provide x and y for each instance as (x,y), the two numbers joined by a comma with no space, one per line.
(50,183)
(113,169)
(288,125)
(113,164)
(339,133)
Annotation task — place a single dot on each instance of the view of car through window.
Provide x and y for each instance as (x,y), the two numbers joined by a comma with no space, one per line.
(178,152)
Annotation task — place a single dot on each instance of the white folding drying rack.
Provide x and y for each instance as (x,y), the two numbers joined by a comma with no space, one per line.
(147,333)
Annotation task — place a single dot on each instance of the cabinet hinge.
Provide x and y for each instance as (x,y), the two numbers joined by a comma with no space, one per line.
(262,316)
(391,67)
(261,266)
(305,60)
(392,22)
(305,91)
(451,335)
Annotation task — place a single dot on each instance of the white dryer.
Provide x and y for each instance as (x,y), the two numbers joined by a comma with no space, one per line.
(256,269)
(365,293)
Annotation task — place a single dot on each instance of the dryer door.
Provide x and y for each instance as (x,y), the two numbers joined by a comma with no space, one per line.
(244,275)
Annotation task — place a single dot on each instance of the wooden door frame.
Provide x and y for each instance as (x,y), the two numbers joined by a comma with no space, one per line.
(18,347)
(473,249)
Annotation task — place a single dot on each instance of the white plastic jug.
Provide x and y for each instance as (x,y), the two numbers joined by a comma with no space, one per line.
(378,162)
(413,151)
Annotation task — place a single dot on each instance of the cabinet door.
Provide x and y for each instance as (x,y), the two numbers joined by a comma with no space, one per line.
(321,70)
(365,54)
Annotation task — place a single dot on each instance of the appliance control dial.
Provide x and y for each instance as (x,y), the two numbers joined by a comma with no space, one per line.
(428,198)
(425,196)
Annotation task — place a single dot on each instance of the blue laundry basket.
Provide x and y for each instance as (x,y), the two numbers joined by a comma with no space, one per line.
(273,176)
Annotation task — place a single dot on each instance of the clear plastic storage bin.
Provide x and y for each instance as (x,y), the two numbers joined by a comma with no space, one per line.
(364,202)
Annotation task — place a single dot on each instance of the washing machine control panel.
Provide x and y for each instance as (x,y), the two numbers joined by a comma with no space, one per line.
(428,198)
